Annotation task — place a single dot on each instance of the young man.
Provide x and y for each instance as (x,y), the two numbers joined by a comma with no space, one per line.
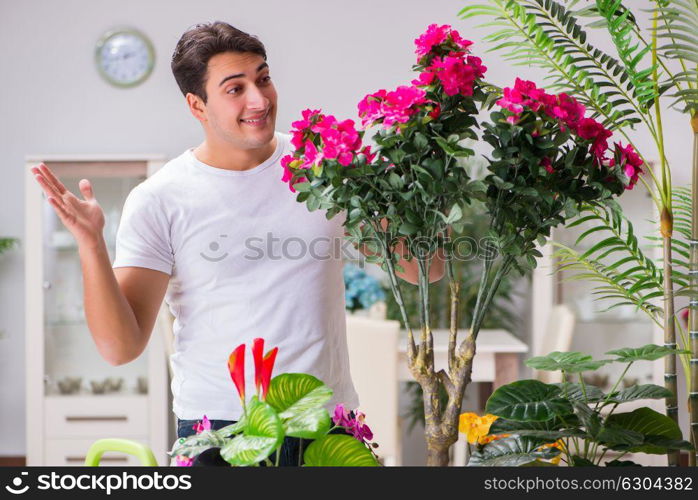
(242,258)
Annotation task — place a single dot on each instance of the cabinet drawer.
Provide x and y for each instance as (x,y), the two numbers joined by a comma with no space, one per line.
(101,417)
(73,452)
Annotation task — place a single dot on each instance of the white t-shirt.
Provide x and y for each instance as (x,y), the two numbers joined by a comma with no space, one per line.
(245,260)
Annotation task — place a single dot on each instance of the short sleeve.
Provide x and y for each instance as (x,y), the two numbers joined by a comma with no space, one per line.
(143,237)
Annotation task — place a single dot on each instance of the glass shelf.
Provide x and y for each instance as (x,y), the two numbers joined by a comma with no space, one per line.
(70,350)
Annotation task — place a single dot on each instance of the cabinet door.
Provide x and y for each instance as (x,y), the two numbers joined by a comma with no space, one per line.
(94,416)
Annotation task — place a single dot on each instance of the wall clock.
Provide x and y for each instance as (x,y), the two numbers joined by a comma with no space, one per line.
(124,57)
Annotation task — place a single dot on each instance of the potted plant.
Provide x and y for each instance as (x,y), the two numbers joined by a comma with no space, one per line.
(547,159)
(290,404)
(531,423)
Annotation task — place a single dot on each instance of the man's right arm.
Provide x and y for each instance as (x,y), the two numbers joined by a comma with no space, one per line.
(121,305)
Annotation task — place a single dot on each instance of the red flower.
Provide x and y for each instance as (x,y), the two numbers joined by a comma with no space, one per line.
(263,366)
(236,367)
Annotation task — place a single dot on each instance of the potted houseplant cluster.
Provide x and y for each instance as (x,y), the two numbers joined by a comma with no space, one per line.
(548,157)
(290,404)
(533,423)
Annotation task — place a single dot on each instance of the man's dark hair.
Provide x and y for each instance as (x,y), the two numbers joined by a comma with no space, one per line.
(199,44)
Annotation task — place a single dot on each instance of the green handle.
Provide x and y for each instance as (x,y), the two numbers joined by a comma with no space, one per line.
(98,448)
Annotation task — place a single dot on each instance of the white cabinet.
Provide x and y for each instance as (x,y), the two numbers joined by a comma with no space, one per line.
(73,396)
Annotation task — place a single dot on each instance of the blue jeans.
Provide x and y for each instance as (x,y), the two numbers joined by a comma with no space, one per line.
(291,452)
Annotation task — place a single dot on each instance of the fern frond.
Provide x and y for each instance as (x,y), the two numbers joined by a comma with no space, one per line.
(632,278)
(630,50)
(678,24)
(545,34)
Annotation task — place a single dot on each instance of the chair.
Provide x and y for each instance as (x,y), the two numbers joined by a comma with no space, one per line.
(557,337)
(128,446)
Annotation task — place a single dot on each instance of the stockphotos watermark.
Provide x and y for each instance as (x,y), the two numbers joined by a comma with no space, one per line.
(100,482)
(272,247)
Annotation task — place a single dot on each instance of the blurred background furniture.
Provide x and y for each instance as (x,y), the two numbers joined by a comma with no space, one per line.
(68,404)
(557,337)
(374,371)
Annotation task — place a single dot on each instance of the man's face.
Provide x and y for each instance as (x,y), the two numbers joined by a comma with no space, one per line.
(241,105)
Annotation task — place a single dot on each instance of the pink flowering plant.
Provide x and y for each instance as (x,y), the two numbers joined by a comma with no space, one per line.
(290,404)
(408,188)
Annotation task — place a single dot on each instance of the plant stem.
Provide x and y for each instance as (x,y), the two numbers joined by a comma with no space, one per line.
(693,304)
(667,226)
(613,389)
(397,292)
(454,287)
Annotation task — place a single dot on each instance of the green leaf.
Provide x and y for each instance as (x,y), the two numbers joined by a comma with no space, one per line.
(649,352)
(454,214)
(527,400)
(407,229)
(590,419)
(614,436)
(660,432)
(193,445)
(263,434)
(513,451)
(574,392)
(338,450)
(570,362)
(646,391)
(299,398)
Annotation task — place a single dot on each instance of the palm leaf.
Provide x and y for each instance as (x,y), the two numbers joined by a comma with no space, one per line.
(629,279)
(677,22)
(544,33)
(631,50)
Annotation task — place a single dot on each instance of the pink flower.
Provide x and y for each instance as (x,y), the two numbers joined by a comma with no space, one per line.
(545,162)
(436,35)
(563,108)
(590,129)
(355,425)
(456,73)
(366,151)
(397,106)
(425,78)
(312,155)
(630,162)
(566,108)
(341,416)
(301,127)
(370,107)
(182,461)
(436,112)
(203,425)
(524,94)
(361,431)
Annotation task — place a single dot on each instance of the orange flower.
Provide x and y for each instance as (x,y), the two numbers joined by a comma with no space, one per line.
(476,428)
(492,437)
(560,445)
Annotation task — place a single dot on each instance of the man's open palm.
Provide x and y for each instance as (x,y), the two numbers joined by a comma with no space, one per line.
(83,218)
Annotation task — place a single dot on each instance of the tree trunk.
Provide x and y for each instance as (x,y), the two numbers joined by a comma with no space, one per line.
(437,453)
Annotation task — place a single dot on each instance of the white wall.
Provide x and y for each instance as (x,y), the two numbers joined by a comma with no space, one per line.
(324,54)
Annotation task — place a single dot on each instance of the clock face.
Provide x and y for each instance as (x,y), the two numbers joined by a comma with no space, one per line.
(125,58)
